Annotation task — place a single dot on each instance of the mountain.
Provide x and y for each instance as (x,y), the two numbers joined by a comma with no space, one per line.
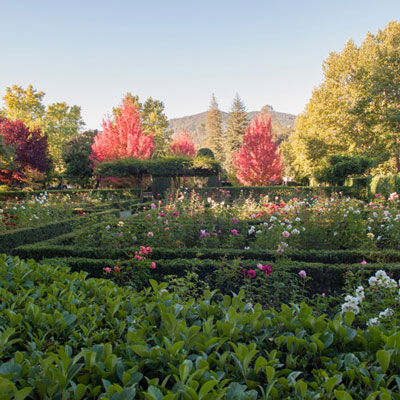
(282,123)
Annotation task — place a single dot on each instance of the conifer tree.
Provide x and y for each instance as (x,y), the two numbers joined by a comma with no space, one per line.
(258,162)
(214,138)
(238,121)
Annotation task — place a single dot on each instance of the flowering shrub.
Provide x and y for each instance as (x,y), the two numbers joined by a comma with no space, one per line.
(376,304)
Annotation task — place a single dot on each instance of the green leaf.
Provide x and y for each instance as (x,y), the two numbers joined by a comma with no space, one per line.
(331,383)
(79,392)
(205,389)
(342,395)
(23,393)
(383,357)
(270,372)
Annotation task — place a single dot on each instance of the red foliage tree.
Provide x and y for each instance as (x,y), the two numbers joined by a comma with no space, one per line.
(123,137)
(31,148)
(258,162)
(183,145)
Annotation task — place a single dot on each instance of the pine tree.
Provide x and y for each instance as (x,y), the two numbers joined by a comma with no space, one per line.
(214,138)
(258,162)
(238,121)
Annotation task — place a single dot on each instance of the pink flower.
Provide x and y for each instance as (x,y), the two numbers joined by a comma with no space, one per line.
(265,268)
(162,215)
(286,234)
(235,220)
(323,294)
(116,269)
(303,273)
(138,257)
(153,206)
(150,234)
(363,262)
(153,265)
(377,195)
(234,231)
(175,213)
(107,270)
(251,273)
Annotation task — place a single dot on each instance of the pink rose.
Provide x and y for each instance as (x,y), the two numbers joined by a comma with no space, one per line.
(303,273)
(251,273)
(107,270)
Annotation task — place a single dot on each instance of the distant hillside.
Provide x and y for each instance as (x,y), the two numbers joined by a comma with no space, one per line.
(282,123)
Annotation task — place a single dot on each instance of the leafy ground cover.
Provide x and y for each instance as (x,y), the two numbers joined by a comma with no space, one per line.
(65,336)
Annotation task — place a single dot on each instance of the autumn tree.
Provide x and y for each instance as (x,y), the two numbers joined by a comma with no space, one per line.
(154,121)
(59,121)
(257,161)
(31,150)
(238,121)
(123,136)
(183,145)
(214,138)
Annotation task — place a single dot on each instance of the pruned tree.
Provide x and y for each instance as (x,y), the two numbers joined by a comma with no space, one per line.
(214,138)
(258,161)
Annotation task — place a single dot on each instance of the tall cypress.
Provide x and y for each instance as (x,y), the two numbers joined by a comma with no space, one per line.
(214,138)
(238,121)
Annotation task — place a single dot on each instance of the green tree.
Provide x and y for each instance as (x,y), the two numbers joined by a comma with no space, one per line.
(356,109)
(76,158)
(24,105)
(61,123)
(238,121)
(214,138)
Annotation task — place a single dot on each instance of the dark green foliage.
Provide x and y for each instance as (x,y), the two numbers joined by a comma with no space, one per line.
(205,152)
(166,166)
(66,336)
(160,185)
(19,237)
(341,167)
(76,157)
(104,193)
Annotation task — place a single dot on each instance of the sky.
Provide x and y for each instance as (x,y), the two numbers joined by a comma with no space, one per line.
(91,52)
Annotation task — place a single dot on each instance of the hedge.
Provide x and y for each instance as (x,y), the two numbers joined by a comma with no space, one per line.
(326,278)
(44,250)
(26,236)
(127,192)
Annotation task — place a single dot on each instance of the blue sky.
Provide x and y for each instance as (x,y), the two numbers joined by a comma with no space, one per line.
(91,52)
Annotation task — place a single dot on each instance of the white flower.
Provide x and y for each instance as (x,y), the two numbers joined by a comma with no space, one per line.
(373,281)
(373,321)
(381,274)
(295,231)
(387,313)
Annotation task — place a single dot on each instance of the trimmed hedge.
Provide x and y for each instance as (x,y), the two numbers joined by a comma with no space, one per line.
(326,278)
(39,251)
(128,192)
(285,192)
(385,184)
(160,167)
(26,236)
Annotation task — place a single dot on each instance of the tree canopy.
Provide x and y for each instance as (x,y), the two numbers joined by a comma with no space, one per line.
(356,109)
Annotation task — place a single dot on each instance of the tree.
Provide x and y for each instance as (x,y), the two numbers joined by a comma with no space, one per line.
(24,105)
(214,138)
(123,137)
(356,109)
(183,145)
(341,167)
(58,121)
(153,120)
(238,121)
(61,123)
(257,161)
(76,155)
(31,148)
